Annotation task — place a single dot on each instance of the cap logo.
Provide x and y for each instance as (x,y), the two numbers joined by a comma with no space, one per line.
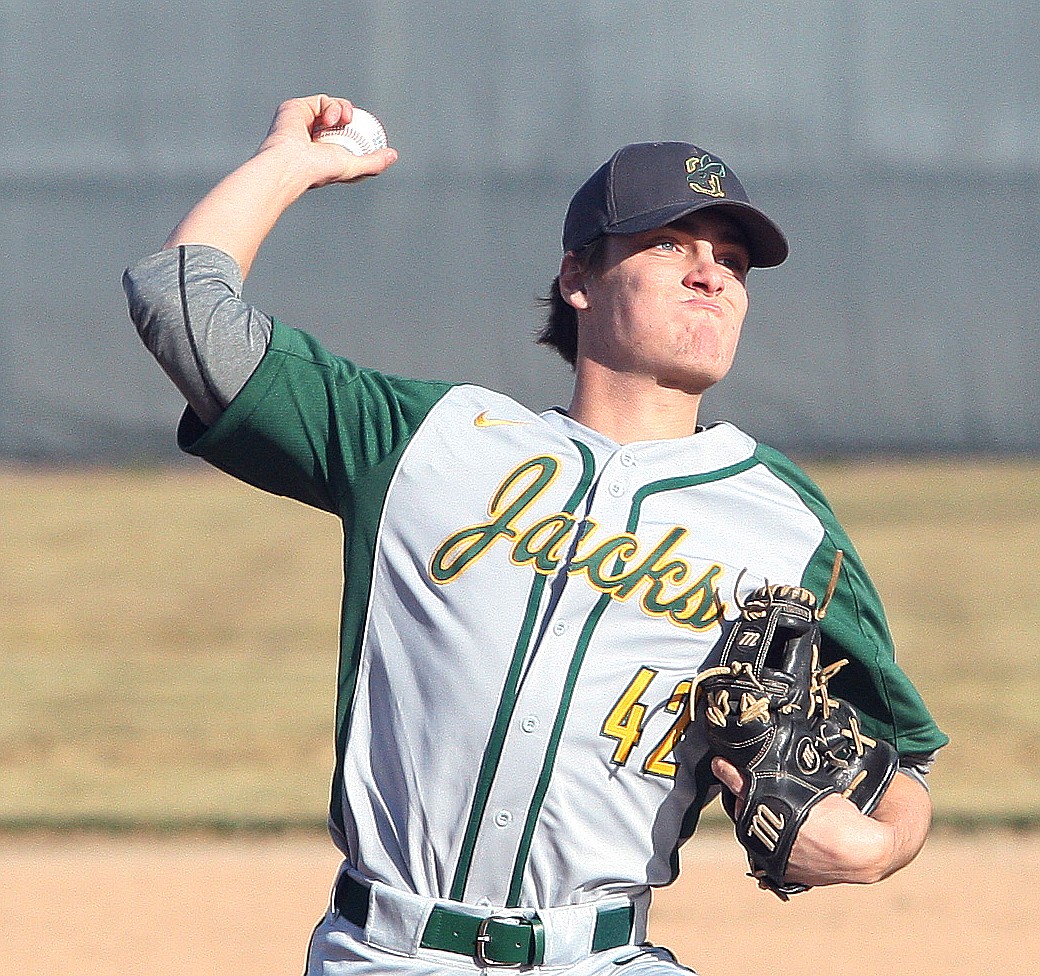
(704,174)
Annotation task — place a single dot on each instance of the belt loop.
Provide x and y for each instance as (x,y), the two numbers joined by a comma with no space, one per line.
(351,900)
(537,941)
(613,927)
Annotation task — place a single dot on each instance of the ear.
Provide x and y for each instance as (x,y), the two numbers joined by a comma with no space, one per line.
(573,282)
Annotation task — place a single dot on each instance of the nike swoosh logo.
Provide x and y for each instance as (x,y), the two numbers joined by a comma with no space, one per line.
(483,420)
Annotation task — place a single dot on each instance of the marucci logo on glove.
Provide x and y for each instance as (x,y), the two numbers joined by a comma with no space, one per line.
(766,825)
(808,757)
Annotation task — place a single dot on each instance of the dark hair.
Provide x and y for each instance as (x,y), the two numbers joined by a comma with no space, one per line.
(560,330)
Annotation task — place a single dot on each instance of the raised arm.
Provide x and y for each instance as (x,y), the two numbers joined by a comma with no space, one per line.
(240,211)
(186,300)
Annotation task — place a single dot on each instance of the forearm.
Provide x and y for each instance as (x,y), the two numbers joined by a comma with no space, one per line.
(239,212)
(839,845)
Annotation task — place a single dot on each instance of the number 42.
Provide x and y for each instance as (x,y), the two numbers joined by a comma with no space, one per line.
(625,723)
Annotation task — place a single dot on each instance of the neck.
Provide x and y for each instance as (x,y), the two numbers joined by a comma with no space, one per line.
(627,407)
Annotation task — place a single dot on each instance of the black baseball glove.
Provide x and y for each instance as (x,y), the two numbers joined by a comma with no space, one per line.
(766,709)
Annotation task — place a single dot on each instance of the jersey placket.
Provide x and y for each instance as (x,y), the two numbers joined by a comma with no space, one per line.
(528,754)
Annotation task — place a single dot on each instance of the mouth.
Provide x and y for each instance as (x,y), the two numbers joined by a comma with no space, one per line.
(704,303)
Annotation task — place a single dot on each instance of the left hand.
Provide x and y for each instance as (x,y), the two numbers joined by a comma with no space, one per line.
(837,843)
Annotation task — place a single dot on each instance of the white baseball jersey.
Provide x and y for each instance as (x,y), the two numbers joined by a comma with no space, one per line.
(526,604)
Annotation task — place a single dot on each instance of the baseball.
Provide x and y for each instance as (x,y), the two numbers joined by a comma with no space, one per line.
(363,135)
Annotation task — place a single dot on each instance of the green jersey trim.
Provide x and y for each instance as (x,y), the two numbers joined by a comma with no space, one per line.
(704,779)
(310,425)
(550,754)
(507,700)
(683,481)
(359,556)
(640,496)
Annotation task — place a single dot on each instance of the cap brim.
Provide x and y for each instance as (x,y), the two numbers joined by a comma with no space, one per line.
(767,244)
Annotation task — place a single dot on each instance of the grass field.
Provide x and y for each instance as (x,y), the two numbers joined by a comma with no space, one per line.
(168,640)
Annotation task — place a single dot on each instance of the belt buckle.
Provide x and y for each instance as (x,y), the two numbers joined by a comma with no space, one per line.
(483,940)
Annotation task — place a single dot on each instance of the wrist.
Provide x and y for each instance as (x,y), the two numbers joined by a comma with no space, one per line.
(278,175)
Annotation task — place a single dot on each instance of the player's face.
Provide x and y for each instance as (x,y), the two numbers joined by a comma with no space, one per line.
(668,303)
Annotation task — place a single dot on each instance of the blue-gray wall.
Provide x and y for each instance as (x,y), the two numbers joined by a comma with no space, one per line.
(898,144)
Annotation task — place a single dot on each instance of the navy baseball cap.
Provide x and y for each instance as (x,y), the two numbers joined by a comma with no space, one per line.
(650,184)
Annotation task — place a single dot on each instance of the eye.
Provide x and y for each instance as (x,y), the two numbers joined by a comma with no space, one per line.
(667,245)
(737,263)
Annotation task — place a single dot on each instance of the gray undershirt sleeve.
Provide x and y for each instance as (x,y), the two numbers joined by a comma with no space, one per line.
(186,304)
(918,766)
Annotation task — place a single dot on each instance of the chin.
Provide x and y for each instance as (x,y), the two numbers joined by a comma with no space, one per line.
(694,381)
(691,386)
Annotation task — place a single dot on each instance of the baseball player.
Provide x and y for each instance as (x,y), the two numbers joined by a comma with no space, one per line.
(528,596)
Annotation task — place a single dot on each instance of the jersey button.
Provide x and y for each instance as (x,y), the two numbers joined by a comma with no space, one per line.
(503,818)
(628,458)
(529,723)
(616,489)
(559,628)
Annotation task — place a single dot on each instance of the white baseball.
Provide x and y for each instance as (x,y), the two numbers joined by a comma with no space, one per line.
(363,135)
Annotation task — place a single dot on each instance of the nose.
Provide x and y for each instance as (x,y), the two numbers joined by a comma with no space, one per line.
(704,273)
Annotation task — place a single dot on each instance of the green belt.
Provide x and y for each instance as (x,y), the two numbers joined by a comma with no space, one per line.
(498,940)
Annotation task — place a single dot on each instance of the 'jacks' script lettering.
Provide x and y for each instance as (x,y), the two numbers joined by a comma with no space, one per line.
(618,564)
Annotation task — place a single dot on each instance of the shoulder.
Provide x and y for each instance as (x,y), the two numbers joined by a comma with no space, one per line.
(793,475)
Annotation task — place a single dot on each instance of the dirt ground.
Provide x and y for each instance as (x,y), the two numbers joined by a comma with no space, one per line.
(187,907)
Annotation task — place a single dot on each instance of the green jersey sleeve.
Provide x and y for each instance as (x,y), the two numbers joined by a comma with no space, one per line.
(308,424)
(855,627)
